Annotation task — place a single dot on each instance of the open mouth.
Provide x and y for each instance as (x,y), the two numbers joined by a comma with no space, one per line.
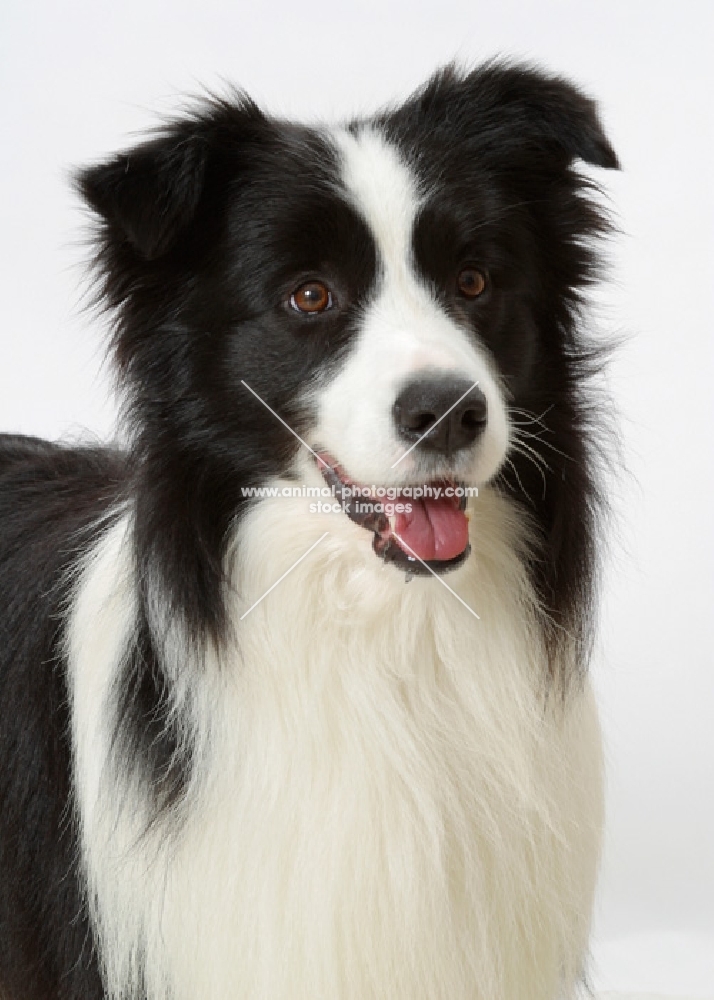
(429,534)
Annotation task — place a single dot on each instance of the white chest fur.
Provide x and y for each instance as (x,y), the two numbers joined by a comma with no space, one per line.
(385,804)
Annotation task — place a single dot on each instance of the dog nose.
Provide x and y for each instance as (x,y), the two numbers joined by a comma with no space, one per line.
(447,413)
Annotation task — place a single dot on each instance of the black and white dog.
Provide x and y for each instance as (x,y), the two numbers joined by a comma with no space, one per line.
(242,759)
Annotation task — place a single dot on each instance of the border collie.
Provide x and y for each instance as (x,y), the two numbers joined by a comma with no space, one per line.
(256,743)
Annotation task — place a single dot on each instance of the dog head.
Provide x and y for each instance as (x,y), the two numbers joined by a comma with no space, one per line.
(372,302)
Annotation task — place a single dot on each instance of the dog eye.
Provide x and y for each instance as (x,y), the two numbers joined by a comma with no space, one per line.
(312,297)
(471,282)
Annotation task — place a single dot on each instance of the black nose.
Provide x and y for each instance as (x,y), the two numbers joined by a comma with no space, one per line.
(447,413)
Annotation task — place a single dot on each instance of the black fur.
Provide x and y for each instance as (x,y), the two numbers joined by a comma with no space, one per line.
(201,233)
(51,501)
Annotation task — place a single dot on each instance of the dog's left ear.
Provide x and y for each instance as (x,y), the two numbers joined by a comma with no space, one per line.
(511,105)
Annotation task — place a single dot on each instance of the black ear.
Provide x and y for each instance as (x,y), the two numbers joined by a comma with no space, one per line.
(512,104)
(151,193)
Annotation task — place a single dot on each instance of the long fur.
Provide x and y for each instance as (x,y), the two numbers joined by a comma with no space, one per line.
(342,785)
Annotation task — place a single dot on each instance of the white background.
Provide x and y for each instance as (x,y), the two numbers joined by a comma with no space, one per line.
(79,79)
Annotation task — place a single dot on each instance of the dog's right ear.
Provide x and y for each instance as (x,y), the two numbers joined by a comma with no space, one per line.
(150,194)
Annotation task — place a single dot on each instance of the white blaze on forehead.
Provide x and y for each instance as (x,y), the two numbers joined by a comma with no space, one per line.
(384,191)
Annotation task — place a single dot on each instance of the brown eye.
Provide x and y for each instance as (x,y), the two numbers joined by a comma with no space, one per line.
(312,297)
(471,282)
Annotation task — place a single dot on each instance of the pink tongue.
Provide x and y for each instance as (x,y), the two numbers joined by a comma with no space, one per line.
(433,529)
